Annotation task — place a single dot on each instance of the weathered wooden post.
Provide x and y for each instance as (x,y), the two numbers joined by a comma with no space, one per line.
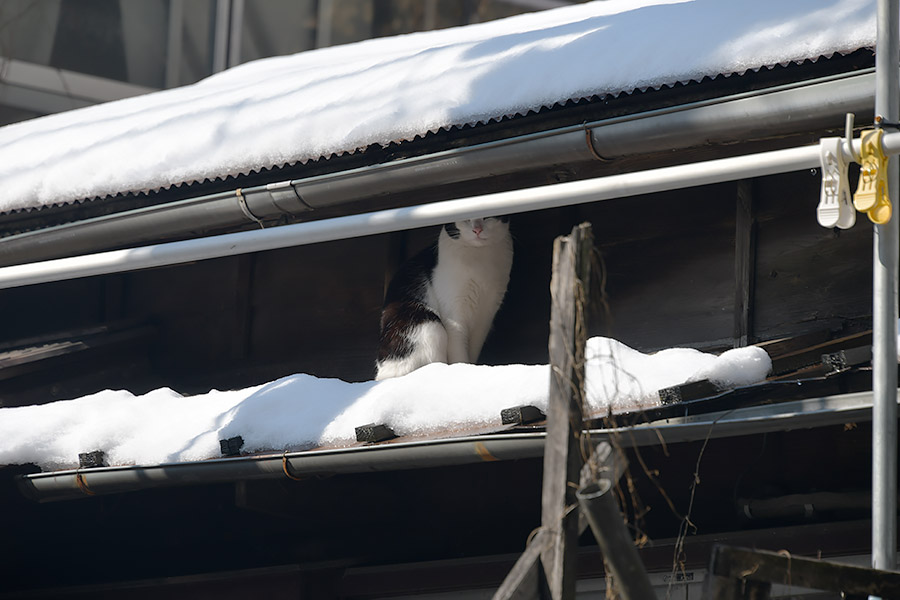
(547,567)
(603,515)
(564,453)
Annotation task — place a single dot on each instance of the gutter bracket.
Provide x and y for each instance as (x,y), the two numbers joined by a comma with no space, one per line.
(588,133)
(242,202)
(284,195)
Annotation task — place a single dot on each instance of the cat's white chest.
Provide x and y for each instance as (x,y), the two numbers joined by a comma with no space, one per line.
(467,288)
(467,280)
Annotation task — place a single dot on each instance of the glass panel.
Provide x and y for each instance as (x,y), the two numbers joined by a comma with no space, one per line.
(277,27)
(27,29)
(167,43)
(197,31)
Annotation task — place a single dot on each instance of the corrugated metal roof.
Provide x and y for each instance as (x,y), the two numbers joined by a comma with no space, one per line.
(315,107)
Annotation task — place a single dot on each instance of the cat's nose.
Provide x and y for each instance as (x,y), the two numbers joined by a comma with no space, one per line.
(477,229)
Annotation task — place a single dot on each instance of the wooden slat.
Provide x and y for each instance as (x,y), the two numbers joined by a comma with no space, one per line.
(92,459)
(689,391)
(374,432)
(744,263)
(525,580)
(521,415)
(846,359)
(813,355)
(786,345)
(22,360)
(232,446)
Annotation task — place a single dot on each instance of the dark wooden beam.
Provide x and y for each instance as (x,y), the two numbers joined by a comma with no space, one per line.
(526,580)
(374,432)
(744,263)
(742,565)
(521,415)
(243,306)
(812,355)
(397,253)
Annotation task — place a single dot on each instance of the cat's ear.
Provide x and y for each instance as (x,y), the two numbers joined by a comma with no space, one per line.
(452,230)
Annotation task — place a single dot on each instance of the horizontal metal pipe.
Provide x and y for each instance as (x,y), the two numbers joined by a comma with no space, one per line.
(804,505)
(807,106)
(813,412)
(516,201)
(515,155)
(804,106)
(603,515)
(511,202)
(63,485)
(812,107)
(207,213)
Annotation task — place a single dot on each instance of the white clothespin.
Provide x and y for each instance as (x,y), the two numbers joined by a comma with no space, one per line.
(835,207)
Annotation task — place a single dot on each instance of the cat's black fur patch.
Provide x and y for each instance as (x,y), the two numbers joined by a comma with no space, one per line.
(397,318)
(400,314)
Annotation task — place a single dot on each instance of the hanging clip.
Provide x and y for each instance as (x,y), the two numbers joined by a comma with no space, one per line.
(834,208)
(872,194)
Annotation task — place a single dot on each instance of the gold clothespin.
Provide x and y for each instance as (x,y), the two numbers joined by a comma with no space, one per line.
(872,194)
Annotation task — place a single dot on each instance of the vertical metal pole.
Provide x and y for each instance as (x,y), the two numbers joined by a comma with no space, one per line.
(235,33)
(884,308)
(429,20)
(323,23)
(173,44)
(221,31)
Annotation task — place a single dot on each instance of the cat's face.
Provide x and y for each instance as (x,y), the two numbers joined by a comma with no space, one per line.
(479,232)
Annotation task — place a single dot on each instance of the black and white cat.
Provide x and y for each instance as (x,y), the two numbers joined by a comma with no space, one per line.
(440,305)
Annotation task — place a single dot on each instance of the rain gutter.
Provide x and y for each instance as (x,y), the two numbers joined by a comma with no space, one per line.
(798,414)
(801,107)
(424,215)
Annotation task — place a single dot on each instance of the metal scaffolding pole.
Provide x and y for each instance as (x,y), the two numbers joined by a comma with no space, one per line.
(884,308)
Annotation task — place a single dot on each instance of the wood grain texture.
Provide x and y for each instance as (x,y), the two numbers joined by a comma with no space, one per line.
(563,457)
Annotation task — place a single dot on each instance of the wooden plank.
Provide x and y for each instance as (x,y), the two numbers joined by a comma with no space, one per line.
(243,306)
(689,391)
(770,392)
(232,446)
(846,359)
(785,569)
(563,460)
(813,354)
(521,415)
(397,252)
(744,263)
(525,580)
(90,460)
(786,345)
(23,360)
(374,432)
(547,569)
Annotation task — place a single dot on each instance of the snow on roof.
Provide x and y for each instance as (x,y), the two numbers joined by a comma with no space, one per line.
(304,411)
(297,108)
